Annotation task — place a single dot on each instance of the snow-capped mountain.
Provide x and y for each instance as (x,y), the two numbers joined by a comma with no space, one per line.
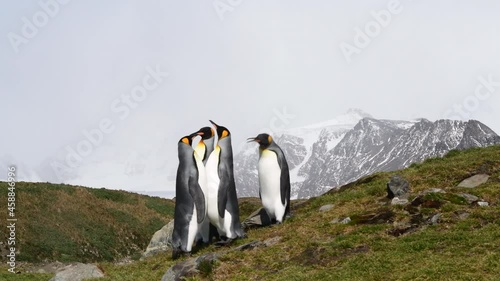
(342,153)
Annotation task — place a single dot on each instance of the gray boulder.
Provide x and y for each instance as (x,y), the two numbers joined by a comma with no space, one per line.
(257,219)
(435,219)
(474,181)
(190,267)
(483,204)
(398,187)
(161,240)
(77,272)
(469,197)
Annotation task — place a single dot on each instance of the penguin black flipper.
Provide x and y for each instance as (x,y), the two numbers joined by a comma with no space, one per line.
(224,187)
(285,175)
(285,185)
(198,197)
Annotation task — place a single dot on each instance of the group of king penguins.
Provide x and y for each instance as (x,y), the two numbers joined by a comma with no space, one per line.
(206,204)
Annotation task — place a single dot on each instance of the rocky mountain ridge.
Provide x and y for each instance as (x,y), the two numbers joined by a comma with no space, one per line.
(334,153)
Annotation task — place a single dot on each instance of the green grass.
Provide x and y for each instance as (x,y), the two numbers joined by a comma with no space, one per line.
(71,223)
(313,248)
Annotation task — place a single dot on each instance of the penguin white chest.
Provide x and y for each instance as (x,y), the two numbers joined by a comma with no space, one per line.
(269,180)
(212,187)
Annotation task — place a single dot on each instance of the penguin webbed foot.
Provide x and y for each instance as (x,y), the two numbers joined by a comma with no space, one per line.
(224,242)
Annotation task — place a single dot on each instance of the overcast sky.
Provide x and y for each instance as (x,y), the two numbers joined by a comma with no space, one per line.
(70,67)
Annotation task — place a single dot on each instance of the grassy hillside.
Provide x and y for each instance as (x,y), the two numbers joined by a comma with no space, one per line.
(72,223)
(463,245)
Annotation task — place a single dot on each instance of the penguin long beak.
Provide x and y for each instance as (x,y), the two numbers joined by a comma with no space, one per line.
(213,123)
(252,139)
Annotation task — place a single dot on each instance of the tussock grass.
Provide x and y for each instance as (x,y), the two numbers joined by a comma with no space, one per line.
(72,223)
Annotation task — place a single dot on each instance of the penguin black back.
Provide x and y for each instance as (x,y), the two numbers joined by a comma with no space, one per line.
(227,197)
(189,196)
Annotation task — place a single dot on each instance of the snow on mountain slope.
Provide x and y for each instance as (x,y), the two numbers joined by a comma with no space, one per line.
(384,145)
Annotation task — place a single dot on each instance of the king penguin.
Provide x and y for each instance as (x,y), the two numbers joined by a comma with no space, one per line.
(190,208)
(223,209)
(202,151)
(274,178)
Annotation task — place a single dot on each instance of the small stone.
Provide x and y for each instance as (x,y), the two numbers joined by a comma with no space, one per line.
(77,272)
(189,267)
(469,197)
(398,187)
(326,208)
(346,220)
(483,204)
(435,219)
(258,218)
(432,190)
(249,246)
(398,201)
(474,181)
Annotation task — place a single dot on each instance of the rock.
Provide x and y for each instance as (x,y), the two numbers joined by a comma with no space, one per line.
(325,208)
(190,267)
(432,190)
(342,221)
(435,219)
(52,267)
(257,219)
(77,272)
(249,246)
(483,204)
(346,220)
(398,187)
(474,181)
(469,197)
(161,240)
(398,201)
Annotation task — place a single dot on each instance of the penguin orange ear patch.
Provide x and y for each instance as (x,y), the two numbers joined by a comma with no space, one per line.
(270,139)
(225,133)
(185,140)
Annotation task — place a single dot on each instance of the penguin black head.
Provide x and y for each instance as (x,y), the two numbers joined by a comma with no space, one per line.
(222,132)
(187,139)
(205,133)
(264,140)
